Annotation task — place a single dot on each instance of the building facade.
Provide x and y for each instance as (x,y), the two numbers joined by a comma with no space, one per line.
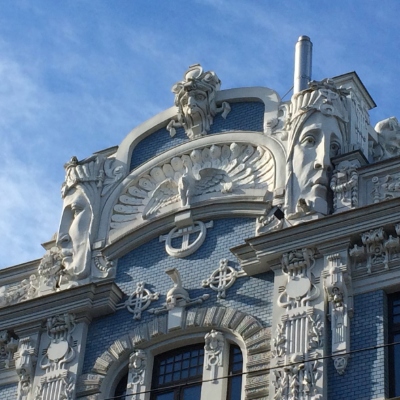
(234,246)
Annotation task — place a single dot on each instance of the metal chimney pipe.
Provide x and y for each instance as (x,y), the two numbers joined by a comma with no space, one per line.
(302,64)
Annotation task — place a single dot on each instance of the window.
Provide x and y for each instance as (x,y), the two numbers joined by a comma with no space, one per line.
(186,373)
(394,351)
(235,373)
(120,390)
(177,374)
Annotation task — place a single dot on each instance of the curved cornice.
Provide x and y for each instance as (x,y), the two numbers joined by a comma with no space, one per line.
(226,206)
(268,96)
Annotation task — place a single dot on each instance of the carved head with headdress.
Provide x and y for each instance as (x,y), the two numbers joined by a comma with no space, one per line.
(81,194)
(317,127)
(389,138)
(195,99)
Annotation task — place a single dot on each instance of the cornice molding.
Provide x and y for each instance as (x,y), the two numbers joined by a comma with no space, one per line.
(86,302)
(260,253)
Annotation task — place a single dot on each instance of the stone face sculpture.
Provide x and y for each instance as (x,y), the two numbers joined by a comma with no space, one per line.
(388,137)
(80,192)
(317,132)
(195,99)
(85,183)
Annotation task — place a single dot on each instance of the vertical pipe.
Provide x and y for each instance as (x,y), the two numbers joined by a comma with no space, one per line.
(302,64)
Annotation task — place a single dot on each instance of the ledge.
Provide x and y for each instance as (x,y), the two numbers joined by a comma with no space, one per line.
(86,301)
(260,253)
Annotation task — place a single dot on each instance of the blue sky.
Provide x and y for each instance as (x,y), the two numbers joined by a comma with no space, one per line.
(76,76)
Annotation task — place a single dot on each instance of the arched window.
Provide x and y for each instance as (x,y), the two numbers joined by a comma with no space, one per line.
(177,374)
(235,373)
(120,390)
(199,371)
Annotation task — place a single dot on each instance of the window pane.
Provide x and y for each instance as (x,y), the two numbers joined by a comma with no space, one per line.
(165,396)
(179,372)
(235,388)
(120,390)
(394,350)
(235,367)
(191,393)
(396,365)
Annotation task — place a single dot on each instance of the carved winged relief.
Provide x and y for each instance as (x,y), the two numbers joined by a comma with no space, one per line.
(213,171)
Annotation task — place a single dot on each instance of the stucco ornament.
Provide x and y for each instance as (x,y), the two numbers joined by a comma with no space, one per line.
(25,359)
(338,288)
(140,300)
(213,352)
(388,137)
(210,172)
(8,346)
(85,182)
(222,278)
(177,299)
(58,382)
(137,369)
(190,237)
(297,341)
(195,99)
(51,269)
(344,185)
(317,130)
(25,290)
(385,187)
(379,249)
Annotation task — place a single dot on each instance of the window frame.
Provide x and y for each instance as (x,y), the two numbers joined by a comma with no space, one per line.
(393,330)
(193,338)
(175,386)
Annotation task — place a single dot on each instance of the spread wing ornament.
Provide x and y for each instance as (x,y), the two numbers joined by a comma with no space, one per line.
(210,171)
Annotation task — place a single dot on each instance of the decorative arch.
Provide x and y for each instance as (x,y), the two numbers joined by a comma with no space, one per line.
(254,338)
(238,174)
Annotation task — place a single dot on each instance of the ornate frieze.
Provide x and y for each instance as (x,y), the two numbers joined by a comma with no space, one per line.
(385,187)
(204,173)
(344,185)
(222,278)
(298,380)
(195,98)
(299,329)
(378,250)
(338,288)
(17,293)
(140,300)
(57,381)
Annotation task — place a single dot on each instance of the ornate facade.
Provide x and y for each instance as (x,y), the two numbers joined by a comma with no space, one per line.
(234,246)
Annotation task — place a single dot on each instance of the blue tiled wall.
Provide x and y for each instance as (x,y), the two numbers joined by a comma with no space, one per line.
(364,378)
(8,392)
(243,117)
(147,263)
